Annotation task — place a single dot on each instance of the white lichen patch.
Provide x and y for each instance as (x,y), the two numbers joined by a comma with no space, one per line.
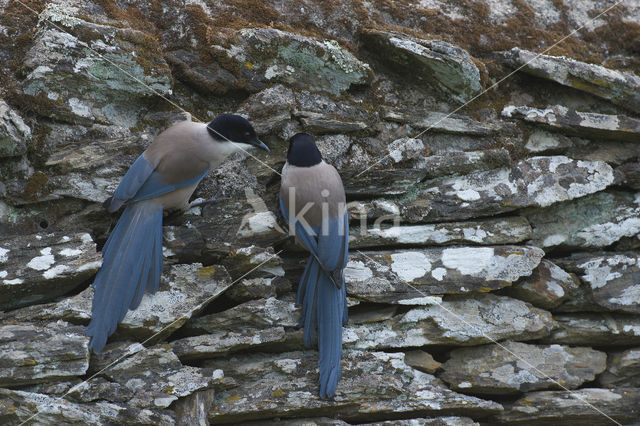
(410,265)
(357,271)
(468,260)
(55,271)
(439,273)
(68,252)
(41,263)
(4,254)
(14,281)
(630,296)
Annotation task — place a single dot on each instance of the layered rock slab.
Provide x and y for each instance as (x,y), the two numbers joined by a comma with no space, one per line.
(286,385)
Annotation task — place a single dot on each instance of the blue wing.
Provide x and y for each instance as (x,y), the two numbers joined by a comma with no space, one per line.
(141,182)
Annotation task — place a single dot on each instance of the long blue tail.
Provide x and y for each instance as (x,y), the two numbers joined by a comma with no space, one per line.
(132,263)
(324,311)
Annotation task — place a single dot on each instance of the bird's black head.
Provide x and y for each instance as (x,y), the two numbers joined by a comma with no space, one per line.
(303,151)
(234,128)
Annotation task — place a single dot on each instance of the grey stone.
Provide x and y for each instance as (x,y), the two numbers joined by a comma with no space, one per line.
(458,321)
(513,367)
(296,60)
(442,122)
(18,406)
(542,141)
(446,66)
(408,276)
(249,325)
(579,123)
(375,182)
(14,133)
(594,221)
(629,175)
(254,261)
(613,279)
(536,181)
(194,409)
(373,384)
(422,361)
(508,230)
(593,329)
(258,288)
(619,87)
(547,287)
(61,69)
(40,267)
(623,369)
(435,421)
(574,407)
(156,378)
(35,354)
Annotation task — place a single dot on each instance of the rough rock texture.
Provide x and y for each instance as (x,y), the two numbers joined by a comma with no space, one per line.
(41,267)
(622,88)
(379,276)
(34,354)
(373,382)
(511,219)
(513,367)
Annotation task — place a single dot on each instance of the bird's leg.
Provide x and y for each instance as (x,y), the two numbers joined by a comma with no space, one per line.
(199,203)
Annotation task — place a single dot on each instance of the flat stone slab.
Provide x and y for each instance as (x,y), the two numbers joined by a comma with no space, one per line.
(619,87)
(612,279)
(575,407)
(514,367)
(444,65)
(32,353)
(535,181)
(595,329)
(623,369)
(597,220)
(547,287)
(507,230)
(579,123)
(300,61)
(388,276)
(442,122)
(377,182)
(14,133)
(37,268)
(457,321)
(18,406)
(373,385)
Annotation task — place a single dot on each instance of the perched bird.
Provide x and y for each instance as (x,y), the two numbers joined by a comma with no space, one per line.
(312,200)
(163,177)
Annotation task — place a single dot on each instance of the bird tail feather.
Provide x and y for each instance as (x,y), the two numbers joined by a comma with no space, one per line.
(132,263)
(323,314)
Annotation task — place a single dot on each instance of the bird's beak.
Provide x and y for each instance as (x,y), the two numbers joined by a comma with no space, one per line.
(258,143)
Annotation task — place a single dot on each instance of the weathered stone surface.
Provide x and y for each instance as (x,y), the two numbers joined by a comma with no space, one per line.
(374,385)
(513,367)
(536,181)
(387,277)
(18,406)
(442,122)
(251,324)
(614,279)
(269,55)
(622,88)
(258,288)
(92,171)
(156,377)
(547,287)
(575,407)
(422,361)
(194,409)
(458,321)
(184,290)
(254,261)
(61,69)
(623,369)
(508,230)
(31,353)
(14,134)
(597,220)
(579,123)
(542,141)
(437,421)
(444,65)
(374,182)
(629,175)
(591,329)
(314,122)
(40,267)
